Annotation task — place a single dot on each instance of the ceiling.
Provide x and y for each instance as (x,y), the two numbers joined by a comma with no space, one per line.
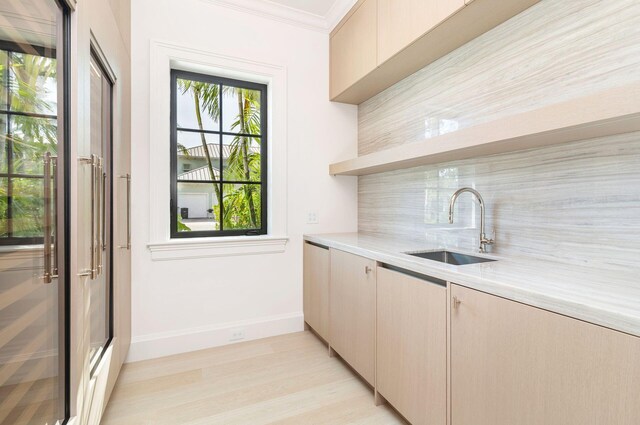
(317,7)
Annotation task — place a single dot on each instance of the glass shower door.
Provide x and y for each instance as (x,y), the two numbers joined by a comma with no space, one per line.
(32,216)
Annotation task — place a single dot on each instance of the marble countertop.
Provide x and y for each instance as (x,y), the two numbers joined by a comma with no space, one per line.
(606,298)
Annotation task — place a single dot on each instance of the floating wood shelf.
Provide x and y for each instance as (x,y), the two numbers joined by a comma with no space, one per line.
(614,111)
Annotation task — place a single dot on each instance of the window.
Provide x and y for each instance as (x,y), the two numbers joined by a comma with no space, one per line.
(218,156)
(28,129)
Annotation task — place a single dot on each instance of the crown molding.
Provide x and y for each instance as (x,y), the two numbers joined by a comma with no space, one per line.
(337,11)
(281,13)
(275,11)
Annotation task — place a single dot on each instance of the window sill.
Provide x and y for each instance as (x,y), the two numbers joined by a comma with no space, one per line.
(217,247)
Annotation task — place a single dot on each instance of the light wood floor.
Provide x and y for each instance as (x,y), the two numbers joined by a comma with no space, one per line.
(285,380)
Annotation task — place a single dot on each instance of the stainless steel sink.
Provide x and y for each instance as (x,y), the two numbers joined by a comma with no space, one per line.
(449,257)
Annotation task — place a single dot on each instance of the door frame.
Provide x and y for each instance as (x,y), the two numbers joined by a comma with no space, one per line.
(95,26)
(101,60)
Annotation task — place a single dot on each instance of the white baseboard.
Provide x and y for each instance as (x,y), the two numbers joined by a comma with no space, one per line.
(168,343)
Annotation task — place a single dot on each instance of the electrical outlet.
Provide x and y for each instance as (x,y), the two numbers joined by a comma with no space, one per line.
(237,335)
(312,217)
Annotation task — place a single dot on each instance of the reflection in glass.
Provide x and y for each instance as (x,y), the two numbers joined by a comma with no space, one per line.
(100,286)
(30,139)
(198,208)
(3,207)
(4,76)
(3,144)
(32,348)
(28,129)
(33,83)
(27,207)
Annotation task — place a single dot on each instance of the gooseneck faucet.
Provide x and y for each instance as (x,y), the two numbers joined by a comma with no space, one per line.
(484,241)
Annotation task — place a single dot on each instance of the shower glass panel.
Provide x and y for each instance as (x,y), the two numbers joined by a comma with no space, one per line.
(33,363)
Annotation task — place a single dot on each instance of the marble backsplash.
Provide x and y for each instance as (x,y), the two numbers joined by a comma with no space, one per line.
(553,51)
(577,203)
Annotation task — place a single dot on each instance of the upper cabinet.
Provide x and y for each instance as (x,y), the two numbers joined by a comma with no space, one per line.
(380,42)
(401,22)
(353,47)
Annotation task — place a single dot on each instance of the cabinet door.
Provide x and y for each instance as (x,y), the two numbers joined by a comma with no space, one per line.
(515,364)
(353,48)
(352,311)
(316,289)
(411,346)
(401,22)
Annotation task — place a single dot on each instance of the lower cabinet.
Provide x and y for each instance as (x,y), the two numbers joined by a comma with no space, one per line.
(516,364)
(316,289)
(496,362)
(411,346)
(352,306)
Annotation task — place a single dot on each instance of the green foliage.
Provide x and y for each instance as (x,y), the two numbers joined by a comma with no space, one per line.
(32,85)
(181,226)
(242,203)
(237,213)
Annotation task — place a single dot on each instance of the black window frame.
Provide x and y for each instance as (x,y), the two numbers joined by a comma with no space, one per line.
(263,183)
(12,48)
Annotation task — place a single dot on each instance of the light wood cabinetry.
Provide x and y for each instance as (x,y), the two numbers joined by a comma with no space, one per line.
(316,289)
(411,346)
(352,303)
(354,47)
(401,22)
(380,42)
(515,364)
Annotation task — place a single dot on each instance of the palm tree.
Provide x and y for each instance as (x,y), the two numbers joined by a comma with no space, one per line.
(240,206)
(204,96)
(243,161)
(30,80)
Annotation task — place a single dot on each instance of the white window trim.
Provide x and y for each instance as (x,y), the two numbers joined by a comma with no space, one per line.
(167,56)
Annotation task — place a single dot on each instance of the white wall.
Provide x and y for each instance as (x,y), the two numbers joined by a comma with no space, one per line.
(188,304)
